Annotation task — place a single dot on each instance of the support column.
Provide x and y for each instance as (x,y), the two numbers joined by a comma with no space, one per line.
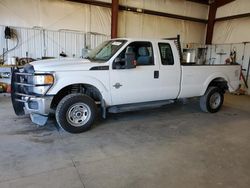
(210,24)
(211,18)
(114,18)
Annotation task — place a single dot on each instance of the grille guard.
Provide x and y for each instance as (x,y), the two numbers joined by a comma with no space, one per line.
(21,85)
(17,105)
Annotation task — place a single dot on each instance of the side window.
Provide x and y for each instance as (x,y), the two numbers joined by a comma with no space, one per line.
(143,53)
(167,57)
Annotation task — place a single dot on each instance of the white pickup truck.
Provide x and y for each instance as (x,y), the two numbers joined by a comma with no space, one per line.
(119,75)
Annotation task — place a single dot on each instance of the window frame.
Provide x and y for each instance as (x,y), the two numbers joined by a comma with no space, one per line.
(124,49)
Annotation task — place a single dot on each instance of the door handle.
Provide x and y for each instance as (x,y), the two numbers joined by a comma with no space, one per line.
(156,74)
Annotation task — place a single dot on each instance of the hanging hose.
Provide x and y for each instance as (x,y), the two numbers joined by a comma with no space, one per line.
(13,47)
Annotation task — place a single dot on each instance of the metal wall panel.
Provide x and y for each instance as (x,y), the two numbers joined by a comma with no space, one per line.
(37,42)
(242,53)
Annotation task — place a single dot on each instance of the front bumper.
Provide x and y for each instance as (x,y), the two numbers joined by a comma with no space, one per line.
(37,105)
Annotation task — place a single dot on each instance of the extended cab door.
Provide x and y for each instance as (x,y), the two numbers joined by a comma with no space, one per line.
(140,84)
(170,69)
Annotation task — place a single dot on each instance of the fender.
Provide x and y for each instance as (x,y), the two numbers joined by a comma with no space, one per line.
(217,75)
(64,81)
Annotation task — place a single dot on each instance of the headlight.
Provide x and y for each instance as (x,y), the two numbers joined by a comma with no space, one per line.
(42,83)
(47,79)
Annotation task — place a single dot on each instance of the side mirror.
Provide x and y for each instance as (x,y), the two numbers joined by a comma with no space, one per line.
(130,61)
(117,60)
(118,63)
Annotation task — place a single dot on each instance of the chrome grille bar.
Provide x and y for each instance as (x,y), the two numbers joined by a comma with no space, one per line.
(25,95)
(24,74)
(31,85)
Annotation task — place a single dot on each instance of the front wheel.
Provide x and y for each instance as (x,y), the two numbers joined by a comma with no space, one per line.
(76,113)
(212,100)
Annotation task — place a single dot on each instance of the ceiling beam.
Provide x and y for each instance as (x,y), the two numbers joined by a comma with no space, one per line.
(238,16)
(205,2)
(220,3)
(92,2)
(139,10)
(163,14)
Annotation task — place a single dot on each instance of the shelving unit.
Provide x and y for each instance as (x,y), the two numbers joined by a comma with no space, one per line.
(6,69)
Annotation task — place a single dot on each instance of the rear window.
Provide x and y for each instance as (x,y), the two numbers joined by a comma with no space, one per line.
(167,57)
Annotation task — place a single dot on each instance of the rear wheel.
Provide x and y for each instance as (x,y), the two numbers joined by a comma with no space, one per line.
(76,113)
(212,100)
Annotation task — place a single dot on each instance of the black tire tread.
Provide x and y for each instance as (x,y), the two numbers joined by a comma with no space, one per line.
(60,118)
(204,99)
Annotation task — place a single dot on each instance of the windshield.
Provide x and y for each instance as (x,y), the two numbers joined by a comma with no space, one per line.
(105,51)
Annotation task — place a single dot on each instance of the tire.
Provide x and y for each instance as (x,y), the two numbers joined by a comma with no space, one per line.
(212,100)
(76,113)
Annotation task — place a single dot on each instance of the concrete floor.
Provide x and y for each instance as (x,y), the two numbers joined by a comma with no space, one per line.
(175,146)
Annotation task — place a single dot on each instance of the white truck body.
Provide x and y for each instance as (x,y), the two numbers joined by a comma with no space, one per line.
(143,83)
(195,79)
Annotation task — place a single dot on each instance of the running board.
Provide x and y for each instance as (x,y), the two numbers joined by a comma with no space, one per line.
(138,106)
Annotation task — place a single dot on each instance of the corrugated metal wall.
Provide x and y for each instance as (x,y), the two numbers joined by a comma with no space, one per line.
(217,54)
(37,43)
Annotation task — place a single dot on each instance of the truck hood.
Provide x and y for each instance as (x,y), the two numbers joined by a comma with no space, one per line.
(64,64)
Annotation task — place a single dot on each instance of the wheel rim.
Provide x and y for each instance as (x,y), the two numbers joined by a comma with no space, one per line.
(215,100)
(78,114)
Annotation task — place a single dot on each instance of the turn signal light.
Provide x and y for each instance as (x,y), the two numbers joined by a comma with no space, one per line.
(48,79)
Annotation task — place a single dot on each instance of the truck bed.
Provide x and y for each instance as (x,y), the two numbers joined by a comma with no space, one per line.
(195,78)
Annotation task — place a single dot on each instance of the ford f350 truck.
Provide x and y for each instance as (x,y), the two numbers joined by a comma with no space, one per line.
(119,75)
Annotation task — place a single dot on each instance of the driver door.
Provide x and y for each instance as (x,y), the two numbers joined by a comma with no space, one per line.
(139,84)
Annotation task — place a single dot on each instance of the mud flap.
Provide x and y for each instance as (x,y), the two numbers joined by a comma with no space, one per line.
(103,107)
(38,119)
(18,106)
